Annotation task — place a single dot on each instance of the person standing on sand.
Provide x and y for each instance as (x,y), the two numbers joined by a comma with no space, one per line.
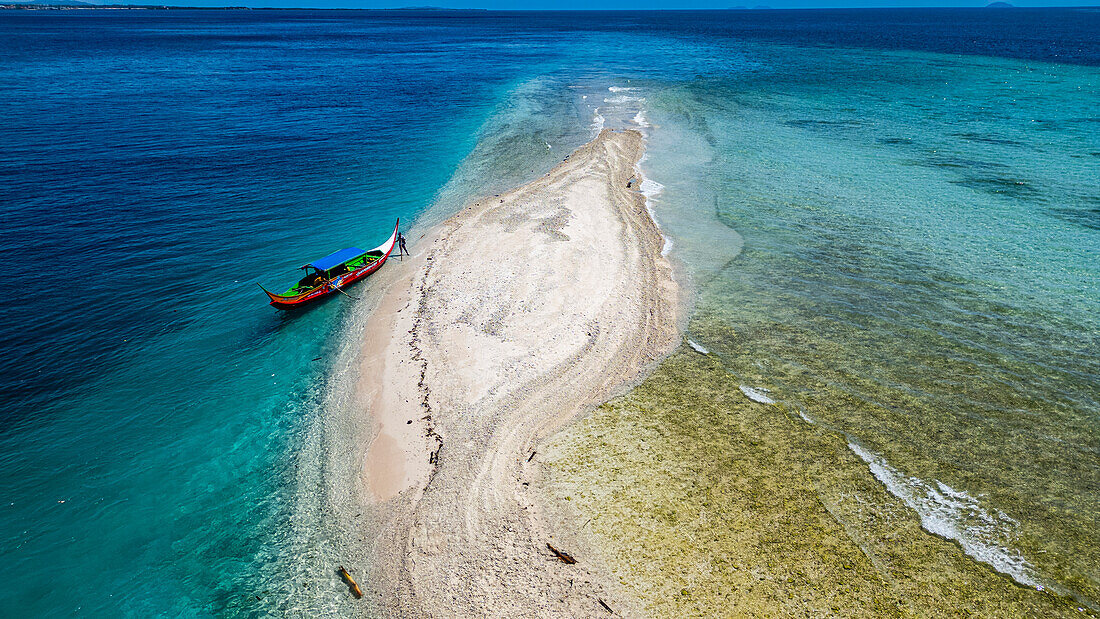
(401,245)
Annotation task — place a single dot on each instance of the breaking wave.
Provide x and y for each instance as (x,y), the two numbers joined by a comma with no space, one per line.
(984,534)
(597,121)
(757,394)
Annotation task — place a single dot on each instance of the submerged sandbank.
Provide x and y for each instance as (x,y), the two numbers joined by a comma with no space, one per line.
(705,501)
(512,317)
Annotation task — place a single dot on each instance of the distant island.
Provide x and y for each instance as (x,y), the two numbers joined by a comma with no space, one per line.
(36,4)
(1000,5)
(64,5)
(68,5)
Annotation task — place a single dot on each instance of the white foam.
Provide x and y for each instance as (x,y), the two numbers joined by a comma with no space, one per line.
(698,347)
(639,119)
(620,88)
(983,534)
(650,188)
(667,247)
(597,121)
(757,394)
(621,99)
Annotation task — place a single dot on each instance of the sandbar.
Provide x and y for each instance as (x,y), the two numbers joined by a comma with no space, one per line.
(510,319)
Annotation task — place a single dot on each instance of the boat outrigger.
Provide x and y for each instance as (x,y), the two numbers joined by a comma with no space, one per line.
(330,274)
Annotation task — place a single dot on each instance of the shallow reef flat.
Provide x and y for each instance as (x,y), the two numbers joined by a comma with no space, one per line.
(701,502)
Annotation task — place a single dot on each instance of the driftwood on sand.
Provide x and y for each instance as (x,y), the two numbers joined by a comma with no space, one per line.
(350,582)
(564,556)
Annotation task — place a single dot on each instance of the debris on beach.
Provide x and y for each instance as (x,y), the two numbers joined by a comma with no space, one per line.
(564,556)
(758,394)
(350,582)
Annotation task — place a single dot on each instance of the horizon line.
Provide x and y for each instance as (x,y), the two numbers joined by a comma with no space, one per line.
(84,4)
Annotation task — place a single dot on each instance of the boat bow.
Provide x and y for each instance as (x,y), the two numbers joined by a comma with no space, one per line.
(330,283)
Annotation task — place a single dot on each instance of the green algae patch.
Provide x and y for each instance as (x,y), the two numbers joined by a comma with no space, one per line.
(701,502)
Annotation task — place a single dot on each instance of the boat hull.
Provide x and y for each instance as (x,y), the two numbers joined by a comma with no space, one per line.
(287,302)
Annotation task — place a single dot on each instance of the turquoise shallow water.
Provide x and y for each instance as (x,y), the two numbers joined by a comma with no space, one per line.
(920,272)
(904,239)
(156,410)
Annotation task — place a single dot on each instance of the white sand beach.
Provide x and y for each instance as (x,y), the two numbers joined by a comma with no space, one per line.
(510,319)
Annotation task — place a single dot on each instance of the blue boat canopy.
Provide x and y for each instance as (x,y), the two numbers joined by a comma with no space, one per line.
(336,258)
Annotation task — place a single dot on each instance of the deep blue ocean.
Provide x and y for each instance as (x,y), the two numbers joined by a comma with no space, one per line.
(932,176)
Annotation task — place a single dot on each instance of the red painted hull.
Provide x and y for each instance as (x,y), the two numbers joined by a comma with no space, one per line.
(292,302)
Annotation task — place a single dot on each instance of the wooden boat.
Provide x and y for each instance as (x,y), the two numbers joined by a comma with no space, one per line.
(332,273)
